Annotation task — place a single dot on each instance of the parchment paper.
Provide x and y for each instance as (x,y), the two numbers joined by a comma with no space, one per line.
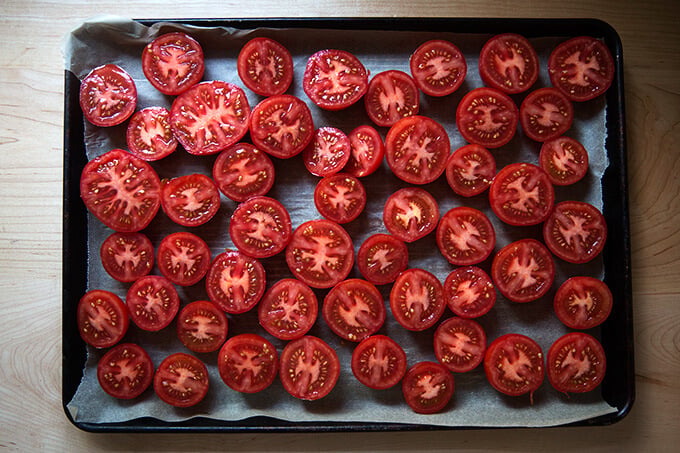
(475,403)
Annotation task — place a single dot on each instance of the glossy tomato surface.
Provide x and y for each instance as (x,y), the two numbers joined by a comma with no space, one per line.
(309,368)
(367,151)
(417,299)
(152,302)
(487,117)
(288,309)
(173,63)
(354,309)
(575,231)
(583,302)
(379,362)
(181,380)
(334,79)
(576,363)
(328,152)
(190,200)
(514,365)
(438,67)
(125,371)
(260,227)
(428,387)
(564,159)
(391,96)
(282,126)
(465,236)
(235,282)
(381,258)
(460,344)
(248,363)
(243,171)
(183,258)
(521,194)
(508,62)
(411,213)
(102,318)
(545,114)
(340,197)
(127,256)
(523,270)
(202,326)
(149,135)
(469,292)
(265,66)
(108,96)
(470,170)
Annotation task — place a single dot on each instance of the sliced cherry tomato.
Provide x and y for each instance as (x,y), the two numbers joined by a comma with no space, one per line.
(391,96)
(460,344)
(243,171)
(288,309)
(108,96)
(487,117)
(469,292)
(149,136)
(575,231)
(583,302)
(576,363)
(514,365)
(320,253)
(181,380)
(125,371)
(545,114)
(183,258)
(340,197)
(265,66)
(470,170)
(521,194)
(152,302)
(417,299)
(465,236)
(328,152)
(210,117)
(260,227)
(438,67)
(381,258)
(367,151)
(334,79)
(173,63)
(190,200)
(354,309)
(582,68)
(411,213)
(202,326)
(428,387)
(508,62)
(564,159)
(123,192)
(523,271)
(248,363)
(235,282)
(309,368)
(127,256)
(103,318)
(379,362)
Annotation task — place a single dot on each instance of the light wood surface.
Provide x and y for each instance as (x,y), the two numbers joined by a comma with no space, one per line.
(31,136)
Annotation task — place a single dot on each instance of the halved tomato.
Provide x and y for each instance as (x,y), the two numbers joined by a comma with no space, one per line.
(309,368)
(127,256)
(260,227)
(523,271)
(469,292)
(470,170)
(328,152)
(545,114)
(367,151)
(183,258)
(181,380)
(334,79)
(583,302)
(103,318)
(340,197)
(248,363)
(575,231)
(428,387)
(381,258)
(487,117)
(149,135)
(379,362)
(354,309)
(508,62)
(125,371)
(152,302)
(173,63)
(265,66)
(235,282)
(465,236)
(460,344)
(576,363)
(108,96)
(564,159)
(288,309)
(391,96)
(243,171)
(417,299)
(438,67)
(514,365)
(411,213)
(190,200)
(521,194)
(202,326)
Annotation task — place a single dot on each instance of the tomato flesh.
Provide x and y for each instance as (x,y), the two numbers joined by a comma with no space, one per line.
(545,114)
(108,96)
(328,152)
(391,96)
(288,310)
(152,302)
(576,363)
(381,258)
(522,194)
(103,318)
(235,282)
(265,66)
(564,159)
(417,299)
(428,387)
(469,292)
(583,302)
(190,200)
(354,309)
(487,117)
(183,258)
(248,363)
(379,362)
(340,197)
(438,67)
(334,79)
(508,62)
(202,326)
(575,231)
(465,236)
(125,371)
(411,213)
(243,171)
(181,380)
(149,135)
(260,227)
(460,344)
(523,271)
(514,365)
(127,256)
(470,170)
(309,368)
(173,63)
(367,151)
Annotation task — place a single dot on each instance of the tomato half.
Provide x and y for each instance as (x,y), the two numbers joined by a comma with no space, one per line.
(564,159)
(265,66)
(438,67)
(103,318)
(202,326)
(545,114)
(470,170)
(149,136)
(248,363)
(340,197)
(583,302)
(417,299)
(127,256)
(469,292)
(183,258)
(334,79)
(309,368)
(428,387)
(460,344)
(575,231)
(514,365)
(152,302)
(521,194)
(465,236)
(288,309)
(122,191)
(508,62)
(243,171)
(391,96)
(125,371)
(354,309)
(411,213)
(328,152)
(190,200)
(260,227)
(173,63)
(367,151)
(523,271)
(379,362)
(108,96)
(487,117)
(576,363)
(381,258)
(181,380)
(235,282)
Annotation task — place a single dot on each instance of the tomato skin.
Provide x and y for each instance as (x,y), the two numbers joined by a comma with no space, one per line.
(327,153)
(190,200)
(398,91)
(354,309)
(583,302)
(149,135)
(288,309)
(235,282)
(487,117)
(508,62)
(545,114)
(108,96)
(173,63)
(470,170)
(378,362)
(523,271)
(243,171)
(469,292)
(419,385)
(521,359)
(406,299)
(152,302)
(576,231)
(103,318)
(260,227)
(459,344)
(248,363)
(381,258)
(183,258)
(410,214)
(181,380)
(202,326)
(465,236)
(576,363)
(438,67)
(329,69)
(265,66)
(127,256)
(340,197)
(367,151)
(125,371)
(521,194)
(309,368)
(564,159)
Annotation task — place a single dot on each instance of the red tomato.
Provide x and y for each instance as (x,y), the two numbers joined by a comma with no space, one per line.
(428,387)
(235,282)
(465,236)
(265,66)
(367,151)
(248,363)
(125,371)
(334,79)
(210,117)
(545,114)
(417,149)
(417,299)
(127,256)
(564,159)
(438,67)
(391,96)
(459,344)
(354,309)
(152,302)
(243,171)
(183,258)
(202,326)
(522,194)
(379,362)
(381,258)
(487,117)
(320,253)
(514,365)
(173,63)
(523,271)
(108,96)
(582,68)
(411,213)
(576,363)
(309,368)
(260,227)
(340,197)
(327,153)
(583,302)
(181,380)
(149,136)
(123,192)
(103,318)
(469,292)
(288,309)
(508,62)
(281,126)
(190,200)
(575,231)
(470,170)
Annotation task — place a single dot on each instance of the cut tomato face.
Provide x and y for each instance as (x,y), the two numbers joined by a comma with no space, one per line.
(265,66)
(309,368)
(173,63)
(514,365)
(108,96)
(190,200)
(575,231)
(320,253)
(340,197)
(411,213)
(470,170)
(417,299)
(260,227)
(181,380)
(235,282)
(202,326)
(123,192)
(508,62)
(521,194)
(127,256)
(391,96)
(183,258)
(288,309)
(379,362)
(149,136)
(243,171)
(438,67)
(367,151)
(465,236)
(381,258)
(583,302)
(103,318)
(125,371)
(428,387)
(487,117)
(469,292)
(564,159)
(210,117)
(459,344)
(327,153)
(582,68)
(523,271)
(354,309)
(248,363)
(545,114)
(334,79)
(152,302)
(576,363)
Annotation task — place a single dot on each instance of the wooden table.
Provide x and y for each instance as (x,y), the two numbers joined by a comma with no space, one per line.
(31,136)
